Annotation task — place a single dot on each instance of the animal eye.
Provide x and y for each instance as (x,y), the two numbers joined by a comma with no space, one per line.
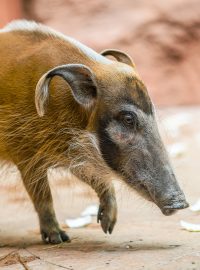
(129,119)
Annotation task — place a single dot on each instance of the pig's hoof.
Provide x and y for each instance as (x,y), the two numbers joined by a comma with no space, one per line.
(107,215)
(54,237)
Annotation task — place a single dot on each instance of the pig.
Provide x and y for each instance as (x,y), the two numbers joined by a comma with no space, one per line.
(64,105)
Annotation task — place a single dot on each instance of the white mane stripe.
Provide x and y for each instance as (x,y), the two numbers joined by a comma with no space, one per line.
(25,25)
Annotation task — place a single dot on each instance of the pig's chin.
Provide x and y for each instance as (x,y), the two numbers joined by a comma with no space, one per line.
(168,212)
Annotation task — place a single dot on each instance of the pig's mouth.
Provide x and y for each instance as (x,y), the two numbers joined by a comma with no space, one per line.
(168,210)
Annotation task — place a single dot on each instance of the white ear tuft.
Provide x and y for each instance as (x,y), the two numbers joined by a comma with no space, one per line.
(42,94)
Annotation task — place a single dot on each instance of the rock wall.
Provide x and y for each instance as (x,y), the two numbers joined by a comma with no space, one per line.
(161,36)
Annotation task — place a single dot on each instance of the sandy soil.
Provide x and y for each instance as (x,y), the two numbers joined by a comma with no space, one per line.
(143,238)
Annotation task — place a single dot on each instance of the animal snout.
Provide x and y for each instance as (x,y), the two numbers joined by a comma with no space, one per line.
(171,209)
(173,204)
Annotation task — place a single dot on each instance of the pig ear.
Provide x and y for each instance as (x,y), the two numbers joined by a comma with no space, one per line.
(79,77)
(119,56)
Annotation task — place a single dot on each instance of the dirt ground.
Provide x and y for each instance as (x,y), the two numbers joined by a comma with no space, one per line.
(143,238)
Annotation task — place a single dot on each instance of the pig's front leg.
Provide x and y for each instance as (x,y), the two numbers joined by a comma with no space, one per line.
(103,186)
(87,163)
(107,213)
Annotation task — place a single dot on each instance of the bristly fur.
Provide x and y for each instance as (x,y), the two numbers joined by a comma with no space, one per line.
(66,147)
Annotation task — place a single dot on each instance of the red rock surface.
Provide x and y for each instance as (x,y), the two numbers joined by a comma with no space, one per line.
(161,36)
(10,10)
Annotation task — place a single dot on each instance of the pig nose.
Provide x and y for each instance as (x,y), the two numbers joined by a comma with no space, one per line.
(173,204)
(172,208)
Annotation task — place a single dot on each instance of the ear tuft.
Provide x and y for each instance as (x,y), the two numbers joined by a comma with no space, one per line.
(42,95)
(80,79)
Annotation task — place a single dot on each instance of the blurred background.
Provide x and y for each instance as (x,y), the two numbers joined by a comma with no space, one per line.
(161,36)
(163,39)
